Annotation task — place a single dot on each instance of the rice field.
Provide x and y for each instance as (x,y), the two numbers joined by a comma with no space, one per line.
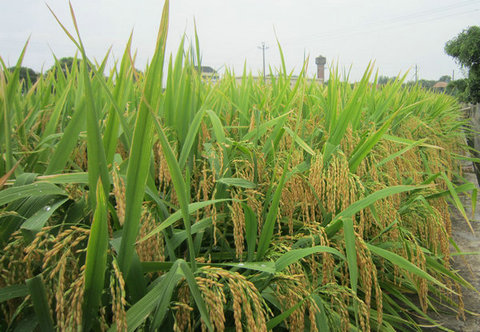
(162,201)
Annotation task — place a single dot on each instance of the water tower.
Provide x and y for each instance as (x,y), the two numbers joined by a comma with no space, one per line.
(321,61)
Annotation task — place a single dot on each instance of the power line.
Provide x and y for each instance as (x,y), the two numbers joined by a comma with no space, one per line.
(263,48)
(393,22)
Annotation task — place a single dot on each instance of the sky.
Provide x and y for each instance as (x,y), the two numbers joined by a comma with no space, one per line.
(398,35)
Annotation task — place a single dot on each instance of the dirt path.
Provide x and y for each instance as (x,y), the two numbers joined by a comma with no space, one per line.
(469,265)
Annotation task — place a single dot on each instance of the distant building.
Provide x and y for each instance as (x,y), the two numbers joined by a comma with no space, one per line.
(320,61)
(440,85)
(209,73)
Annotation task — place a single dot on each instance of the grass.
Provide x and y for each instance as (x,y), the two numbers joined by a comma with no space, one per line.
(130,204)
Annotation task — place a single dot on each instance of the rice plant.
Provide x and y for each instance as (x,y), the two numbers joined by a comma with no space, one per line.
(167,202)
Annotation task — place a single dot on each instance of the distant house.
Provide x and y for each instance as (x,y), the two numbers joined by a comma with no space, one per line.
(209,73)
(440,85)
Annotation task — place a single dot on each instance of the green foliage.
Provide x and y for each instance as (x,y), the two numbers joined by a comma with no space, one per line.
(27,76)
(382,80)
(38,293)
(458,88)
(465,48)
(445,78)
(65,65)
(96,260)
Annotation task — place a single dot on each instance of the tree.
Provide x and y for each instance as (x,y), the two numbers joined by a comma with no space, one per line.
(382,80)
(445,78)
(65,64)
(427,84)
(458,89)
(465,48)
(26,76)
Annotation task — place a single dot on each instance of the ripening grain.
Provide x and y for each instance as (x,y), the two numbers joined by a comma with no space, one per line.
(234,204)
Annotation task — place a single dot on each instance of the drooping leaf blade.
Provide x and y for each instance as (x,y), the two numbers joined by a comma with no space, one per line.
(96,261)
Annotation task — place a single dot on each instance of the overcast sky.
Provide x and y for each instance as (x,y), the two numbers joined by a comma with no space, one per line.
(396,34)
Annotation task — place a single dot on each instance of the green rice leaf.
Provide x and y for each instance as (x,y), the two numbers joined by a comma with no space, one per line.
(59,107)
(295,255)
(162,291)
(190,139)
(97,163)
(456,200)
(351,251)
(170,282)
(30,190)
(96,261)
(66,178)
(195,291)
(268,267)
(350,112)
(251,227)
(336,223)
(300,141)
(362,151)
(69,139)
(467,158)
(174,217)
(399,153)
(34,224)
(264,126)
(179,185)
(12,292)
(140,152)
(405,264)
(217,127)
(36,288)
(433,263)
(285,314)
(197,227)
(118,99)
(407,141)
(237,182)
(7,91)
(322,320)
(458,189)
(269,225)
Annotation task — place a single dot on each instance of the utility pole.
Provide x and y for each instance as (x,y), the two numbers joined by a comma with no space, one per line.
(453,75)
(416,73)
(263,48)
